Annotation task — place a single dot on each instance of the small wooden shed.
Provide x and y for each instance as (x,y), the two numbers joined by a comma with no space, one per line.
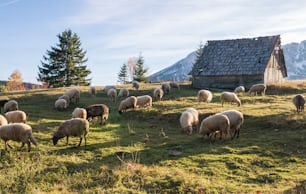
(247,61)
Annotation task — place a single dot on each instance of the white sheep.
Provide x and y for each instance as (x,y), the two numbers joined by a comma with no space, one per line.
(19,132)
(73,93)
(213,124)
(144,101)
(16,116)
(135,84)
(174,85)
(204,96)
(92,91)
(123,93)
(299,102)
(106,88)
(79,113)
(257,88)
(229,97)
(239,90)
(236,120)
(3,120)
(66,97)
(76,127)
(11,105)
(60,104)
(166,87)
(112,94)
(127,103)
(158,94)
(188,119)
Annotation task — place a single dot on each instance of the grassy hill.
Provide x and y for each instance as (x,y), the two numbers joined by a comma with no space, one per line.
(144,150)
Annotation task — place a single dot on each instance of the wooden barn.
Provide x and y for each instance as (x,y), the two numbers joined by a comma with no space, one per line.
(247,61)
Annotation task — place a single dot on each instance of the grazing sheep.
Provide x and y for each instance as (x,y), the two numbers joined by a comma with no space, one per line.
(204,96)
(236,120)
(213,124)
(174,85)
(98,110)
(73,93)
(11,105)
(112,94)
(92,91)
(166,87)
(229,97)
(3,120)
(16,116)
(158,94)
(19,132)
(60,104)
(76,127)
(188,119)
(257,88)
(79,113)
(127,103)
(239,89)
(2,102)
(123,93)
(66,97)
(299,101)
(106,88)
(144,101)
(135,84)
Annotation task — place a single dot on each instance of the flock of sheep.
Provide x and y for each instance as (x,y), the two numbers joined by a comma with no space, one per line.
(228,123)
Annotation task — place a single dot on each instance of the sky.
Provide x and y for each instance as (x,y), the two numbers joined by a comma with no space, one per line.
(112,31)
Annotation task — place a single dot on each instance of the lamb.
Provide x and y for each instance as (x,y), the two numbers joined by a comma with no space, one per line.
(174,85)
(76,127)
(11,105)
(236,120)
(112,94)
(123,93)
(229,97)
(166,88)
(158,94)
(204,96)
(73,93)
(213,124)
(97,110)
(188,119)
(79,113)
(144,101)
(299,101)
(257,88)
(3,120)
(92,91)
(135,84)
(19,132)
(239,89)
(60,104)
(127,103)
(106,88)
(16,116)
(66,97)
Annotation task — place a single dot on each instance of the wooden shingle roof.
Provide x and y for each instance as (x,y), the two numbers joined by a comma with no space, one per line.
(247,56)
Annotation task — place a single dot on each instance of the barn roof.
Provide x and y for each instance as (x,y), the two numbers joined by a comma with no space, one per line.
(247,56)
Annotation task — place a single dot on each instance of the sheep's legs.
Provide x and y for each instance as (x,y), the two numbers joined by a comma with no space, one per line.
(7,144)
(29,146)
(22,145)
(67,140)
(81,141)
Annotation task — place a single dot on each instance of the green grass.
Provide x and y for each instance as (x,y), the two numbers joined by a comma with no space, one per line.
(133,152)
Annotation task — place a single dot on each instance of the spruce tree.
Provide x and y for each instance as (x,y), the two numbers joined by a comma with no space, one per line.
(123,74)
(199,53)
(140,71)
(63,65)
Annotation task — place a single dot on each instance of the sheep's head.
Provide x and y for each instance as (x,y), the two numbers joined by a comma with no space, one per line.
(56,136)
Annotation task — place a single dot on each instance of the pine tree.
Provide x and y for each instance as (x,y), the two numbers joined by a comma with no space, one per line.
(140,71)
(63,64)
(199,53)
(123,74)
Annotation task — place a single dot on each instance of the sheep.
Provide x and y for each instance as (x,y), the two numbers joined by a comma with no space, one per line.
(3,120)
(236,120)
(229,97)
(19,132)
(158,94)
(299,101)
(66,97)
(79,113)
(76,127)
(2,102)
(123,93)
(144,101)
(166,87)
(257,88)
(239,89)
(135,84)
(97,110)
(60,104)
(112,94)
(106,88)
(73,93)
(92,91)
(127,103)
(16,116)
(11,105)
(204,96)
(174,85)
(188,119)
(213,124)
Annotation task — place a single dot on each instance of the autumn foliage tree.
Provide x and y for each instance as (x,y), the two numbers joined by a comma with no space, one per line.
(15,81)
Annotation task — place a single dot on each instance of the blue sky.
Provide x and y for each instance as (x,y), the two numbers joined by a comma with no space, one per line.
(112,31)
